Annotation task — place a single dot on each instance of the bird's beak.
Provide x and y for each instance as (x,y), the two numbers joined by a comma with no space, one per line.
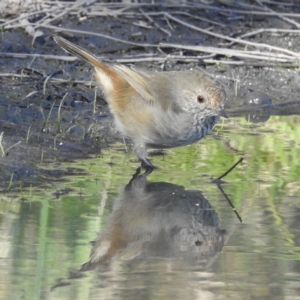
(223,114)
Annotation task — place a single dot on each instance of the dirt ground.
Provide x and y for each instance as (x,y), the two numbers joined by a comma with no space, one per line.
(47,108)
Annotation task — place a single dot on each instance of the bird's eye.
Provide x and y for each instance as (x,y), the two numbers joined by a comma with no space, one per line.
(198,243)
(200,99)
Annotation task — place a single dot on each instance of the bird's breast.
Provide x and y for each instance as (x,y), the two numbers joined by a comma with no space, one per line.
(182,132)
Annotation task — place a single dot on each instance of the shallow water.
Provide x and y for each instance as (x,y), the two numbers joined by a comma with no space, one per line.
(170,235)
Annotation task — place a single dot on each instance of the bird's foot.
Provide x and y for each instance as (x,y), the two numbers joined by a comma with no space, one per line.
(147,165)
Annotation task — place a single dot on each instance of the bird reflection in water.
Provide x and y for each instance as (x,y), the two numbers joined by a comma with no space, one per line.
(158,220)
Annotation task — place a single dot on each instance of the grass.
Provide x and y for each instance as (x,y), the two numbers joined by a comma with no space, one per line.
(10,184)
(4,151)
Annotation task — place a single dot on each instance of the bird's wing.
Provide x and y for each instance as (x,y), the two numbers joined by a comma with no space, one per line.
(137,79)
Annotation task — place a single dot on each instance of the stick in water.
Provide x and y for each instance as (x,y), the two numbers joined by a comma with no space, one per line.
(217,180)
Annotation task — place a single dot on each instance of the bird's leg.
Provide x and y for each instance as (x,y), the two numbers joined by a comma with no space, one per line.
(141,151)
(147,165)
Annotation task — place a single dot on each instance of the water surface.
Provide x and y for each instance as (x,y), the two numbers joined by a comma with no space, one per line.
(169,235)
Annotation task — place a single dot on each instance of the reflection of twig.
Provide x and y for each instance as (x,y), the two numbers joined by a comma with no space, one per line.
(217,180)
(230,203)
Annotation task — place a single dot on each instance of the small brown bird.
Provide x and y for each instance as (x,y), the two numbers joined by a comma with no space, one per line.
(159,220)
(156,109)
